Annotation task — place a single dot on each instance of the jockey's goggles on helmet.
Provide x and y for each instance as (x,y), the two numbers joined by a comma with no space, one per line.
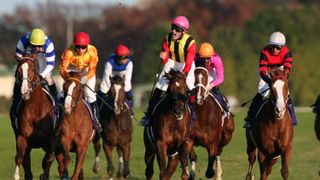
(81,47)
(272,46)
(121,57)
(176,28)
(36,46)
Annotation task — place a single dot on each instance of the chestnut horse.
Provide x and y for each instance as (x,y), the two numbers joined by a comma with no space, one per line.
(210,129)
(169,130)
(272,131)
(75,130)
(34,127)
(117,129)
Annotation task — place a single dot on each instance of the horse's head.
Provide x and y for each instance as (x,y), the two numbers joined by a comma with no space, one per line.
(117,93)
(177,92)
(279,91)
(72,89)
(27,75)
(201,81)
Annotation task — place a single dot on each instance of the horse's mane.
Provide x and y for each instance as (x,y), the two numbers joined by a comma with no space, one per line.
(117,79)
(176,73)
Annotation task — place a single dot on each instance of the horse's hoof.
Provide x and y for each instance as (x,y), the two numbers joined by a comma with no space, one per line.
(96,168)
(192,175)
(64,177)
(41,177)
(210,174)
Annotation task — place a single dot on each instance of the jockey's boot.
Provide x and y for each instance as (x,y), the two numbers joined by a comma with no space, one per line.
(191,102)
(96,123)
(16,98)
(222,101)
(253,109)
(54,93)
(101,96)
(292,112)
(146,119)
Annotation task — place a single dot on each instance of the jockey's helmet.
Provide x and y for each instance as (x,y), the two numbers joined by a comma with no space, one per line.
(277,38)
(206,50)
(181,21)
(81,39)
(122,51)
(37,37)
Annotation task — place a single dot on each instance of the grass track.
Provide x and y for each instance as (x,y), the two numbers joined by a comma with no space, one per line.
(304,164)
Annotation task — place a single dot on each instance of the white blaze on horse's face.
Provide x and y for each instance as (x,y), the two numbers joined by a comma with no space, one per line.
(25,90)
(199,97)
(117,108)
(280,106)
(177,84)
(68,100)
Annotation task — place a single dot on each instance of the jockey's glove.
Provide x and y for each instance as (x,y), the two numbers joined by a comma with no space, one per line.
(43,81)
(83,80)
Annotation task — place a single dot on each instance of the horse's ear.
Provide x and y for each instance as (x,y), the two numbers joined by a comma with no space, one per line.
(111,79)
(168,75)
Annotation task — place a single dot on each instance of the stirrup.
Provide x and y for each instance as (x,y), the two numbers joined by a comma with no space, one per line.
(144,121)
(247,124)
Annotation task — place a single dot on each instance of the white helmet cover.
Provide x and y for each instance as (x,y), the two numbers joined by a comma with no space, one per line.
(277,38)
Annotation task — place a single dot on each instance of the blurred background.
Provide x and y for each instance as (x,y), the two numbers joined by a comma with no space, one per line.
(238,29)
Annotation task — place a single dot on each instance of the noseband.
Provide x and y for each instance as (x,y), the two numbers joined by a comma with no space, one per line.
(200,85)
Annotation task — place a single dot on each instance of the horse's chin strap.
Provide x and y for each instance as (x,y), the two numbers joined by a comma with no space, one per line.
(206,94)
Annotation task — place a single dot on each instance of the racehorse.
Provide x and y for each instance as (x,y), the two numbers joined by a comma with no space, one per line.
(75,131)
(117,129)
(169,130)
(210,129)
(317,119)
(34,127)
(272,131)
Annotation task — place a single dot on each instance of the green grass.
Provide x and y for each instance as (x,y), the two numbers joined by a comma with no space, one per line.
(304,164)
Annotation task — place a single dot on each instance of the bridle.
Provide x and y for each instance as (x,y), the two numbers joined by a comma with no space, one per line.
(200,85)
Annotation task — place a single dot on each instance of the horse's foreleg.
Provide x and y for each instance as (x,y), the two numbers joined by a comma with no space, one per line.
(46,164)
(212,153)
(173,161)
(183,156)
(125,155)
(218,168)
(80,156)
(161,157)
(97,146)
(193,160)
(27,164)
(108,151)
(285,159)
(59,158)
(21,145)
(251,152)
(263,165)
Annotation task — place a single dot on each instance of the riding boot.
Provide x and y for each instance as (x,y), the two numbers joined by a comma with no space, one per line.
(54,94)
(292,112)
(146,120)
(253,109)
(101,96)
(191,103)
(16,98)
(222,100)
(96,123)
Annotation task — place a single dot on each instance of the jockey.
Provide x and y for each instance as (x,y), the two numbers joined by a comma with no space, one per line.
(275,54)
(215,68)
(119,63)
(37,42)
(178,52)
(84,56)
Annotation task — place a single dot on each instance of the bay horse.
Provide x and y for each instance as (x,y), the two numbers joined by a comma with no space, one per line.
(169,130)
(272,131)
(75,131)
(34,126)
(210,129)
(117,129)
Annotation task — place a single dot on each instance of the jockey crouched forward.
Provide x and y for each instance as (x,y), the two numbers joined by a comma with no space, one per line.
(83,56)
(119,63)
(178,52)
(214,65)
(31,43)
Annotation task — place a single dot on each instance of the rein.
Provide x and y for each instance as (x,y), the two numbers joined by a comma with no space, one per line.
(201,85)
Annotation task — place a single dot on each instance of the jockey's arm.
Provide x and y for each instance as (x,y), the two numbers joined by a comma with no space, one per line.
(164,54)
(105,84)
(189,58)
(128,76)
(218,65)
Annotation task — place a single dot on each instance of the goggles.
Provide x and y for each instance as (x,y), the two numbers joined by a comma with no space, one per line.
(275,47)
(176,28)
(81,47)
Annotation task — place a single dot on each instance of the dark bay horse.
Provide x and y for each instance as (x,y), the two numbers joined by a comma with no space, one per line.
(272,131)
(75,131)
(34,127)
(117,129)
(169,130)
(210,129)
